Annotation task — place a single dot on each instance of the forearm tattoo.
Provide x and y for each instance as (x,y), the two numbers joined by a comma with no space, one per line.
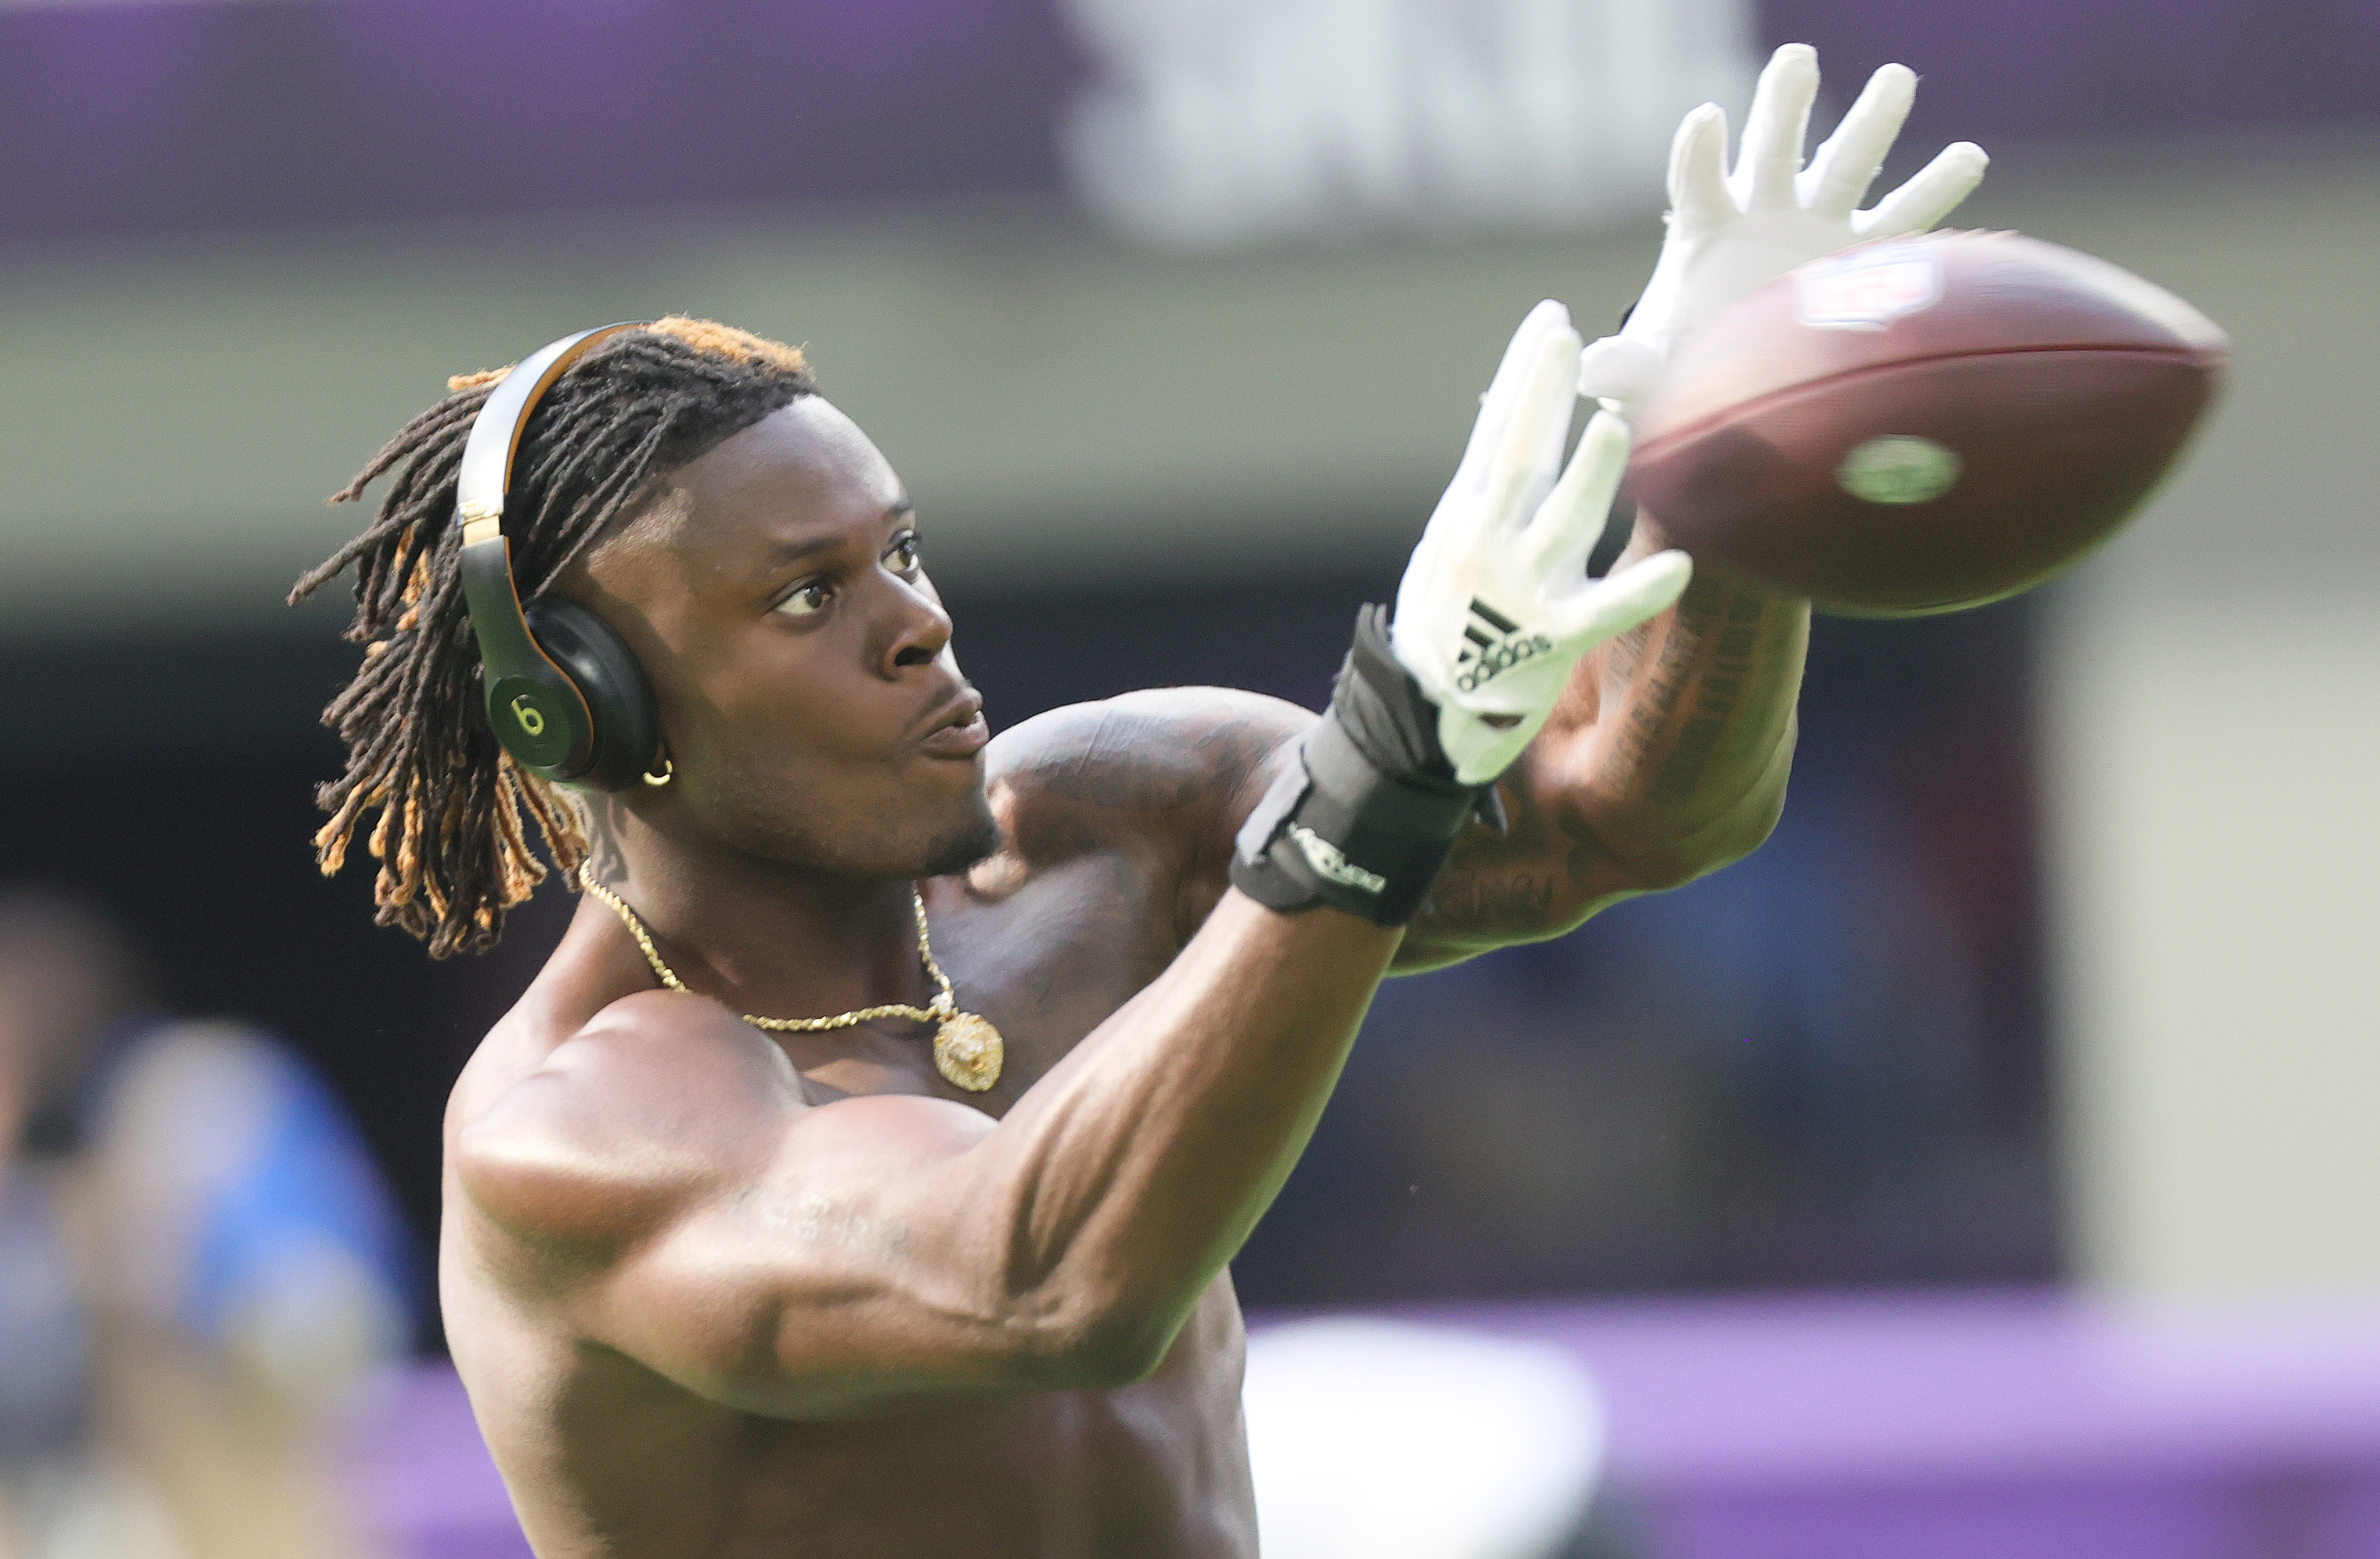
(1731,633)
(1672,692)
(1514,883)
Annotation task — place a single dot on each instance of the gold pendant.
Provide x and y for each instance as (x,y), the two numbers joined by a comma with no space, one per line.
(968,1052)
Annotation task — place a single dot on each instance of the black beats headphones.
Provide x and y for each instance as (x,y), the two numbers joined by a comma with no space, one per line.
(565,694)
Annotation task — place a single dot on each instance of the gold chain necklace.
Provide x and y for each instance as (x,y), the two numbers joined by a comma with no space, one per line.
(968,1048)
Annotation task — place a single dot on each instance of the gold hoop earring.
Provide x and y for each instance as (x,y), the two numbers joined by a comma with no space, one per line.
(668,773)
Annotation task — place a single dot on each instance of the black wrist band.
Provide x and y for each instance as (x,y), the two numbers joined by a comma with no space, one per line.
(1365,818)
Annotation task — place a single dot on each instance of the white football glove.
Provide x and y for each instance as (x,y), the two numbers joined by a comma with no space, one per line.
(1496,605)
(1730,233)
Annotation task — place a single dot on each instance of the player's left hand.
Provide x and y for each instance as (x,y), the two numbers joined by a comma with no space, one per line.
(1730,233)
(1496,605)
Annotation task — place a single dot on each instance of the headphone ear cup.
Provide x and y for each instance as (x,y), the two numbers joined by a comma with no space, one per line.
(627,730)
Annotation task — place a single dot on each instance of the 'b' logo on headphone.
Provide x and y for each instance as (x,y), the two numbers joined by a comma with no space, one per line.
(533,722)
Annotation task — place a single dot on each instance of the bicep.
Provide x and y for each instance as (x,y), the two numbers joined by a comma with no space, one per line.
(673,1197)
(850,1269)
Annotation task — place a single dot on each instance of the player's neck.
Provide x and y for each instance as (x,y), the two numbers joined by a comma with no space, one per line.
(775,941)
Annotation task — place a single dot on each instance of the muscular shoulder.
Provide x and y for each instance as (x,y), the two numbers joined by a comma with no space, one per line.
(1159,766)
(1169,750)
(1165,776)
(656,1096)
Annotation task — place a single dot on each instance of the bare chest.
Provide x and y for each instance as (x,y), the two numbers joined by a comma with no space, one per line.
(1046,959)
(621,1464)
(1155,1470)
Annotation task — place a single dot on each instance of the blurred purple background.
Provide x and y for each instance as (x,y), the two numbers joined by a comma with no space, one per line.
(153,117)
(1885,1426)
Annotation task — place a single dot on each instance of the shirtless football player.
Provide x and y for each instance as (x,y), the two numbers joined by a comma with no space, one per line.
(941,1273)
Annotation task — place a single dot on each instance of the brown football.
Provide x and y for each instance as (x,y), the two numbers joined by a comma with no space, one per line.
(1924,424)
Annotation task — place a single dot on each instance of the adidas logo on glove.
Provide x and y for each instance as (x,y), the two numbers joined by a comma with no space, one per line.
(1516,527)
(1498,649)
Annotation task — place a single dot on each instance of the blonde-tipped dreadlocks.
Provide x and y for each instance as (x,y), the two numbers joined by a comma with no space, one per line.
(453,852)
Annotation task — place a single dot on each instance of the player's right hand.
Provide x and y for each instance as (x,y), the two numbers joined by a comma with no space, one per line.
(1730,233)
(1496,605)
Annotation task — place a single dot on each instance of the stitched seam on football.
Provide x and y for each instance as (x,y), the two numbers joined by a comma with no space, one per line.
(1660,442)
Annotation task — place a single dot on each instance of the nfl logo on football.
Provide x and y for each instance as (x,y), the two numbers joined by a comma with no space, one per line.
(1867,289)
